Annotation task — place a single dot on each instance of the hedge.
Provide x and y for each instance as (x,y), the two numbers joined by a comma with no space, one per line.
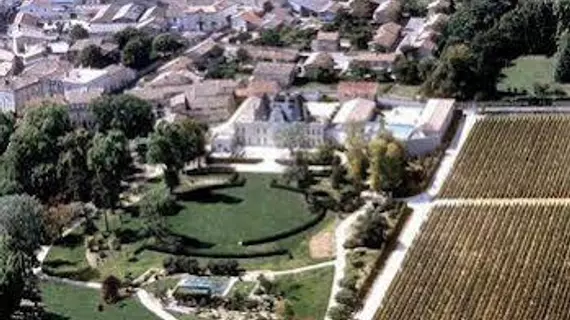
(383,256)
(165,248)
(310,162)
(232,160)
(285,234)
(234,181)
(277,185)
(209,170)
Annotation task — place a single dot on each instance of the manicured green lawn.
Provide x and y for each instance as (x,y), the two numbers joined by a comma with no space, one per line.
(73,303)
(67,258)
(231,215)
(308,292)
(528,70)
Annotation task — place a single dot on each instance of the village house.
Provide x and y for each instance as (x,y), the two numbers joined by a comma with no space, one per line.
(48,9)
(326,41)
(317,63)
(271,54)
(204,50)
(206,18)
(386,37)
(258,88)
(420,39)
(387,11)
(324,10)
(210,101)
(108,48)
(373,61)
(283,73)
(246,21)
(16,92)
(347,90)
(109,79)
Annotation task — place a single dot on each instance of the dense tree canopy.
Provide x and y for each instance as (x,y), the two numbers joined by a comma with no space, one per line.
(77,32)
(7,123)
(124,36)
(562,67)
(156,204)
(136,53)
(123,112)
(73,170)
(166,44)
(34,149)
(175,144)
(21,220)
(92,57)
(387,163)
(109,159)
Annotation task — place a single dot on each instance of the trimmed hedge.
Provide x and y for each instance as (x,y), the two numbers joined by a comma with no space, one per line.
(209,170)
(232,160)
(234,181)
(310,162)
(285,234)
(277,185)
(165,248)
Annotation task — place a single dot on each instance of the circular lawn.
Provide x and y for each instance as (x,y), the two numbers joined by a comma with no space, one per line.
(231,215)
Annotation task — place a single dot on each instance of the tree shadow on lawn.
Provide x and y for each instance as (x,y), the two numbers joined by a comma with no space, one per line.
(54,316)
(209,197)
(59,263)
(70,241)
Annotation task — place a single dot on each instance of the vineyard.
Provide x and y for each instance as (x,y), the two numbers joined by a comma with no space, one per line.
(513,157)
(486,262)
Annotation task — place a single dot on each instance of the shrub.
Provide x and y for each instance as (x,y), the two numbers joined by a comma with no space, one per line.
(182,265)
(110,289)
(224,268)
(340,312)
(346,297)
(349,282)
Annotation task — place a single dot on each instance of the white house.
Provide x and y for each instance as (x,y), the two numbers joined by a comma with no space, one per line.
(110,79)
(48,9)
(206,18)
(264,121)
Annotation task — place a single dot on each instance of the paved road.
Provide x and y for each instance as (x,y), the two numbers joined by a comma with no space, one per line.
(421,204)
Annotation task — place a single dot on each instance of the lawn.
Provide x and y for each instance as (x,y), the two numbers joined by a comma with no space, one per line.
(67,257)
(307,292)
(228,216)
(528,70)
(64,302)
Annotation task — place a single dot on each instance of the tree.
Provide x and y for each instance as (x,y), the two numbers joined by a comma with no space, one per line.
(337,173)
(562,12)
(221,69)
(34,148)
(136,54)
(124,112)
(92,57)
(72,168)
(109,159)
(173,145)
(7,123)
(562,67)
(21,220)
(155,205)
(124,36)
(242,55)
(12,279)
(271,37)
(77,32)
(166,44)
(356,153)
(457,75)
(406,71)
(371,230)
(387,164)
(299,172)
(110,289)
